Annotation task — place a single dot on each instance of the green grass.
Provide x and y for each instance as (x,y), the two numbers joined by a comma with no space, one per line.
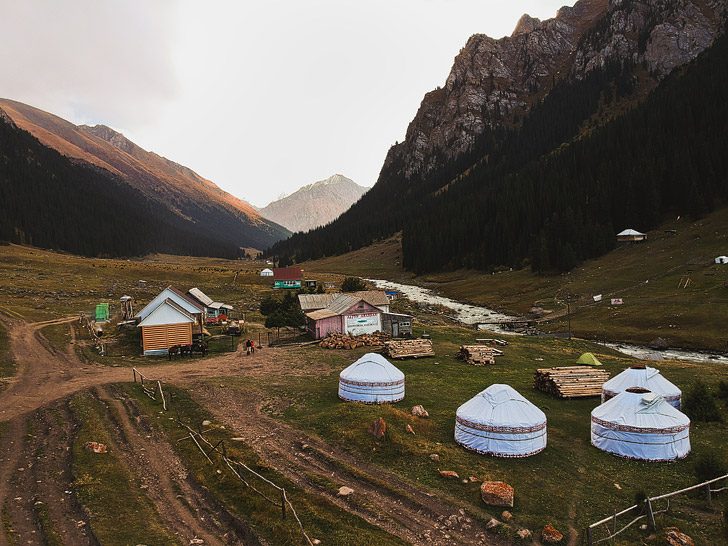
(580,477)
(8,530)
(7,364)
(320,518)
(58,335)
(121,513)
(51,537)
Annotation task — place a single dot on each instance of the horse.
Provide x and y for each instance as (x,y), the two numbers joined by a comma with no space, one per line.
(199,347)
(173,350)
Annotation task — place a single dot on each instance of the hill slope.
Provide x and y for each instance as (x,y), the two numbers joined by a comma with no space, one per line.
(513,193)
(314,205)
(214,213)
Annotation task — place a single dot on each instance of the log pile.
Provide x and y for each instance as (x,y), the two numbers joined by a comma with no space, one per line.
(570,381)
(478,355)
(348,341)
(409,348)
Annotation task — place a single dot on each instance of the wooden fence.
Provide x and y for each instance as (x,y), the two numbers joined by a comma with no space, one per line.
(649,512)
(153,388)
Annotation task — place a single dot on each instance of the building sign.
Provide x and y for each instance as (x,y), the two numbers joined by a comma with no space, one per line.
(616,301)
(365,323)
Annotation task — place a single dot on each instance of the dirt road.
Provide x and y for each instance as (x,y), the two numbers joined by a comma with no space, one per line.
(46,378)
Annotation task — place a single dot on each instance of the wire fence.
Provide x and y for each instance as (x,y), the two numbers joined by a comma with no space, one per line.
(646,510)
(153,389)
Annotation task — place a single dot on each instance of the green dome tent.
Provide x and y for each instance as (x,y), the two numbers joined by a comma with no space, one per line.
(589,359)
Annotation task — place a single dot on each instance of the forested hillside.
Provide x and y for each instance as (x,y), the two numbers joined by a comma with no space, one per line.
(49,201)
(556,190)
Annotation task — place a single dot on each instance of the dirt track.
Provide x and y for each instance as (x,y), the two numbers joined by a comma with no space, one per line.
(46,377)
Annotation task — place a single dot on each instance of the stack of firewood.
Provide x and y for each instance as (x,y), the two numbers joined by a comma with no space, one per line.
(478,354)
(410,348)
(570,381)
(348,341)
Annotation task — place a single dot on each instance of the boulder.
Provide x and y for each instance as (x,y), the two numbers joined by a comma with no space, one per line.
(95,447)
(506,515)
(658,344)
(419,411)
(550,535)
(448,474)
(492,523)
(435,457)
(674,537)
(378,428)
(497,493)
(345,491)
(524,534)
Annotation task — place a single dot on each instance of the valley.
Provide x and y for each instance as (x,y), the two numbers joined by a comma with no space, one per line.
(277,412)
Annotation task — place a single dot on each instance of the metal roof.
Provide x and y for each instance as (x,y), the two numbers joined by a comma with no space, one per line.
(310,302)
(373,297)
(629,232)
(200,296)
(343,303)
(287,274)
(321,314)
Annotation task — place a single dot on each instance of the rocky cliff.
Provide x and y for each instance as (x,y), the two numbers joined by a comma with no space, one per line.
(493,82)
(314,205)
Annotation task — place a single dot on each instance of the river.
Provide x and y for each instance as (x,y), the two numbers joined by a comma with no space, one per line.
(473,314)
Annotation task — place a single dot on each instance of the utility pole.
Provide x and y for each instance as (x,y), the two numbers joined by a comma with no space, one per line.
(568,312)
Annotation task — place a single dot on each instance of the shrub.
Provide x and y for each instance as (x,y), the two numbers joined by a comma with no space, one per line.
(710,465)
(353,284)
(700,405)
(723,389)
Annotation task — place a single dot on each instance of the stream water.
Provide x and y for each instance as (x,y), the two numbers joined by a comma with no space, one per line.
(473,314)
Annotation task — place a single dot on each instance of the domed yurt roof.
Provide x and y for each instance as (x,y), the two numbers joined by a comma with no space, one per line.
(499,421)
(373,380)
(646,378)
(638,424)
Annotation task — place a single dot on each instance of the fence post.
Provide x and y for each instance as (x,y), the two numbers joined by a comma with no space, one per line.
(283,502)
(134,370)
(650,514)
(589,536)
(709,495)
(614,521)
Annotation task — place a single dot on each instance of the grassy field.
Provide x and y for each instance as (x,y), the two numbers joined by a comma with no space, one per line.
(122,513)
(670,286)
(569,485)
(320,518)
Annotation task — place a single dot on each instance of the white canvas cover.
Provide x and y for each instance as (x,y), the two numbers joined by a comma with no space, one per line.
(266,272)
(372,380)
(645,378)
(499,421)
(640,425)
(626,232)
(721,260)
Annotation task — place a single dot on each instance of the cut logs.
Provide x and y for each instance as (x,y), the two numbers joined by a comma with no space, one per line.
(348,341)
(478,355)
(570,381)
(410,348)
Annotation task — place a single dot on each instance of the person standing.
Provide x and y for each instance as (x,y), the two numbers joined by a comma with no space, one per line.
(248,346)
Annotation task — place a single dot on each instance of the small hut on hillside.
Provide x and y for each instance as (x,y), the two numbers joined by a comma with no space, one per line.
(500,422)
(646,378)
(638,424)
(631,236)
(371,380)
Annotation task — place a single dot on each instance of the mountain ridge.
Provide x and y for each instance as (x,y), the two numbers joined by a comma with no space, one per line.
(314,205)
(193,198)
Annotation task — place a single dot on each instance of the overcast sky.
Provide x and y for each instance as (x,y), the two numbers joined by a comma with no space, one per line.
(259,97)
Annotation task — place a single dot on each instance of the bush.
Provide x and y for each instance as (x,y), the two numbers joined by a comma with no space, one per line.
(700,405)
(723,389)
(710,465)
(353,284)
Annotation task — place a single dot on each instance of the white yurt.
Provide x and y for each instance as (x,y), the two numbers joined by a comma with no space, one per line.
(646,378)
(267,272)
(638,424)
(500,422)
(372,380)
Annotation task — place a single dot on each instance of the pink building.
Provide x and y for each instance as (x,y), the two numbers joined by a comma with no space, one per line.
(346,314)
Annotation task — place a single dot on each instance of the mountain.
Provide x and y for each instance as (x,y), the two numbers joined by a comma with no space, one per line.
(314,205)
(209,211)
(515,161)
